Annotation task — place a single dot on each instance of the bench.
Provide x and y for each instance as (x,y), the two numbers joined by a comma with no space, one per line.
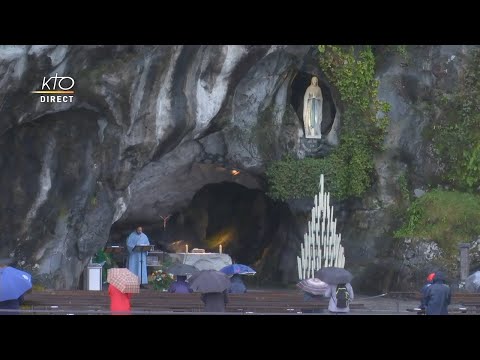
(161,301)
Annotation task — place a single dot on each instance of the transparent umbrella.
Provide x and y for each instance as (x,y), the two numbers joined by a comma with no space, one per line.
(313,286)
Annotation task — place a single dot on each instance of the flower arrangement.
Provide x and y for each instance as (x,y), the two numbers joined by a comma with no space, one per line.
(161,280)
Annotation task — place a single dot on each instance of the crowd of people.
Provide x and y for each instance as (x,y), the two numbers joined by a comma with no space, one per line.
(436,294)
(137,263)
(214,302)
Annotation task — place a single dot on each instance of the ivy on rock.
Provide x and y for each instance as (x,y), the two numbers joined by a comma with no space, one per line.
(349,168)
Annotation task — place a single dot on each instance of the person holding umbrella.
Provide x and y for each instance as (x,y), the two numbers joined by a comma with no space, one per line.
(180,285)
(214,286)
(181,271)
(119,301)
(313,289)
(122,284)
(339,291)
(14,284)
(340,297)
(235,271)
(215,302)
(237,286)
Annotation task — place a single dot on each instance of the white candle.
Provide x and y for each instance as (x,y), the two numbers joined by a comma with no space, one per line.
(299,268)
(186,248)
(220,249)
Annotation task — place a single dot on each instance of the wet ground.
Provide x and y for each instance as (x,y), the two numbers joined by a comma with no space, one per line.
(150,302)
(384,305)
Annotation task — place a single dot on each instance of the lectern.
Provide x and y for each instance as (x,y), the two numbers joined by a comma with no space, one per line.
(141,249)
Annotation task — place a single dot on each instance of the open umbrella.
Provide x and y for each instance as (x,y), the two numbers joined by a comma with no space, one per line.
(313,286)
(238,269)
(124,280)
(334,275)
(209,281)
(13,283)
(182,269)
(472,283)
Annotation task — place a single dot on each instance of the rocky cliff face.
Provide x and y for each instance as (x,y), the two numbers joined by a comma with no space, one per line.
(381,262)
(149,126)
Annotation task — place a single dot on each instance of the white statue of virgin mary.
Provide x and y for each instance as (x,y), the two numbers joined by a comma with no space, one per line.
(312,110)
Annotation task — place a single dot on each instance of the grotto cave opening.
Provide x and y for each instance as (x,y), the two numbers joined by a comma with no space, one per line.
(252,229)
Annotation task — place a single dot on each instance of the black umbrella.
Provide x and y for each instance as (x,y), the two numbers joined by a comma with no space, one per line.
(334,275)
(209,281)
(182,269)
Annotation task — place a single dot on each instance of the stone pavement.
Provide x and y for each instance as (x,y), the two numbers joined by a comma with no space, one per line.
(392,306)
(385,306)
(285,302)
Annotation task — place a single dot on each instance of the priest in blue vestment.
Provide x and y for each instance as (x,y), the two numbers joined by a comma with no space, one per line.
(137,261)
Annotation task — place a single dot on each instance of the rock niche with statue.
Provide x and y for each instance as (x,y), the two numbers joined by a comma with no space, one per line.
(312,110)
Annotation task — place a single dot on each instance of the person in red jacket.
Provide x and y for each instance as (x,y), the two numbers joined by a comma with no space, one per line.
(119,302)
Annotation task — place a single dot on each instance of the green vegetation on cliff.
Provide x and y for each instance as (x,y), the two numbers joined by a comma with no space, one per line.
(451,217)
(349,168)
(455,134)
(294,179)
(446,217)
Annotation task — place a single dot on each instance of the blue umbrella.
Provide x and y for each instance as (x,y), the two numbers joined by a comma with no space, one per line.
(13,283)
(238,269)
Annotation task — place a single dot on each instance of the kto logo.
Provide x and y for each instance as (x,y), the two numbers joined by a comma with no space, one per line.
(62,86)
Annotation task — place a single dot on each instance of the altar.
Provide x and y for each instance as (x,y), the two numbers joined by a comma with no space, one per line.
(202,261)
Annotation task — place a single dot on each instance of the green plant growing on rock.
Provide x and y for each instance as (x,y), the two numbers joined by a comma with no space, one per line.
(401,50)
(403,185)
(445,217)
(101,257)
(291,178)
(349,168)
(455,133)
